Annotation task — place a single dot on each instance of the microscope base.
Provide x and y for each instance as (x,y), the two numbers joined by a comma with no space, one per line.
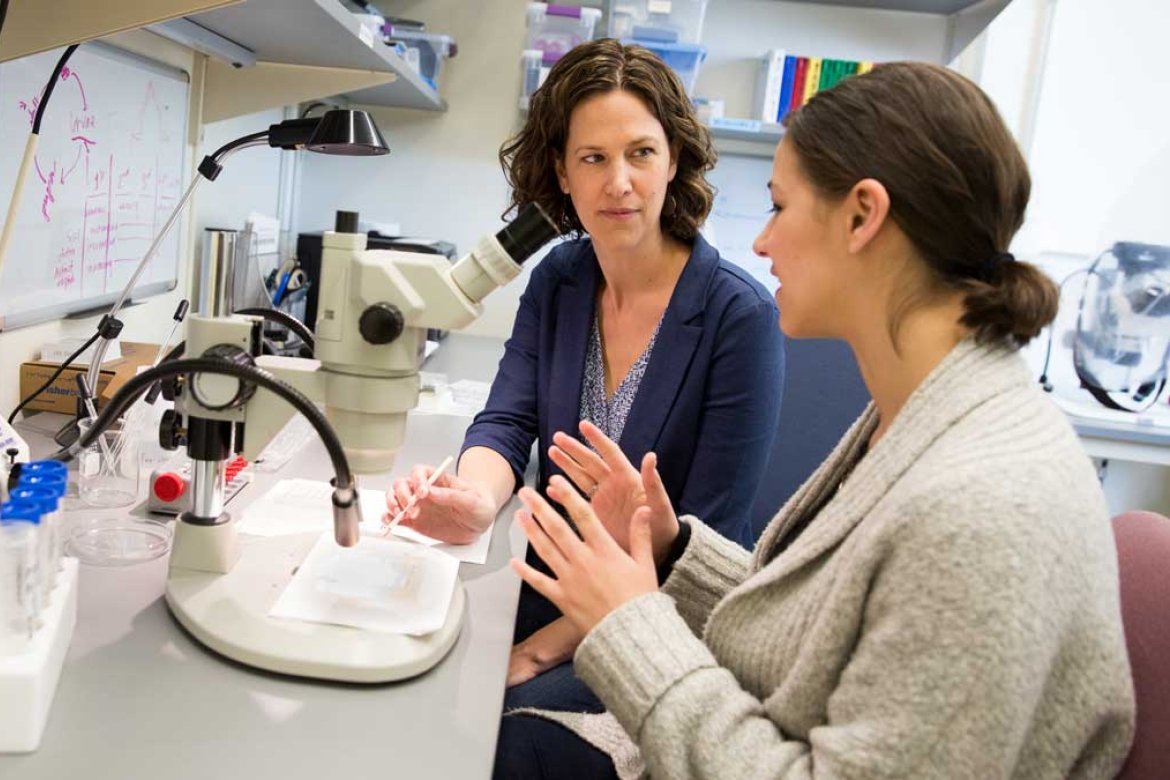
(229,614)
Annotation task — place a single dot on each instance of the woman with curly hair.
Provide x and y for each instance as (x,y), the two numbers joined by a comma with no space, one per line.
(636,325)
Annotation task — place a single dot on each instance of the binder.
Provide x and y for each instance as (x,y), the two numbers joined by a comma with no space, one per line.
(813,79)
(786,85)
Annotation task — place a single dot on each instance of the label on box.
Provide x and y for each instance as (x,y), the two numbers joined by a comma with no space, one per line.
(736,123)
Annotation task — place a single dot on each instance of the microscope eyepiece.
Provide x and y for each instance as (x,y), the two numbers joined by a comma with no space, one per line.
(531,230)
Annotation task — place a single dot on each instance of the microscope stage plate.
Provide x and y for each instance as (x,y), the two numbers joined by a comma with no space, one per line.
(229,614)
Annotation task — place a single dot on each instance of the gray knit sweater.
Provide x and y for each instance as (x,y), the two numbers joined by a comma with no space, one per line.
(952,611)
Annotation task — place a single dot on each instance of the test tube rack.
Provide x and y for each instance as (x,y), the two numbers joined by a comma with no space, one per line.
(28,679)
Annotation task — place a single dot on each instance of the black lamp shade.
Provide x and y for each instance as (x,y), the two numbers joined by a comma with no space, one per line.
(348,132)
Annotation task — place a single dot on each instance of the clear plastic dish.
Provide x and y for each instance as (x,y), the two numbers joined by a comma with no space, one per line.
(118,541)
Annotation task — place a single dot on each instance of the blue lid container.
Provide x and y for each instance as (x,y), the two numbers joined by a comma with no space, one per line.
(40,467)
(54,481)
(20,512)
(683,58)
(46,496)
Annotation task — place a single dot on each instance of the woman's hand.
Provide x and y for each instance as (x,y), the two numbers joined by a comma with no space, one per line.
(615,488)
(594,575)
(451,510)
(552,645)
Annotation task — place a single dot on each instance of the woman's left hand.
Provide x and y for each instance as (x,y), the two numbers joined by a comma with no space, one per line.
(594,575)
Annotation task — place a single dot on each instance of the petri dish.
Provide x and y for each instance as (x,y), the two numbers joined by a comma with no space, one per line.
(118,541)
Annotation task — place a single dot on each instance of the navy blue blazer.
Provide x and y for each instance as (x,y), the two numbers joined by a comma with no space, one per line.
(708,403)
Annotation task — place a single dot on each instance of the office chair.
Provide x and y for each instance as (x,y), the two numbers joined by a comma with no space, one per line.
(823,395)
(1143,549)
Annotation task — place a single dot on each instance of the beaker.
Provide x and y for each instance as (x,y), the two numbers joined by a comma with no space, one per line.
(108,467)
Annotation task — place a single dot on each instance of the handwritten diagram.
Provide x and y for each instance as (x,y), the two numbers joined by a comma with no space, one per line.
(106,175)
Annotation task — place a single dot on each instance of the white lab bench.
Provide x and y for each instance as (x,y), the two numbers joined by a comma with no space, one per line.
(138,697)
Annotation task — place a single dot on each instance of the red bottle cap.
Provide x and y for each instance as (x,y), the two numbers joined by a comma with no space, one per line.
(169,486)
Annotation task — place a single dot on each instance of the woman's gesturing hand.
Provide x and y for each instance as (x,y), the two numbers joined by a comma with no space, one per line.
(594,575)
(615,489)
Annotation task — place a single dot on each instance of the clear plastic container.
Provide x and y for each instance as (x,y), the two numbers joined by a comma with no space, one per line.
(431,50)
(118,541)
(664,21)
(683,58)
(554,29)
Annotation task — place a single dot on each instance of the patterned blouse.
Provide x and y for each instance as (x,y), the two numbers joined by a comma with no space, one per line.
(610,414)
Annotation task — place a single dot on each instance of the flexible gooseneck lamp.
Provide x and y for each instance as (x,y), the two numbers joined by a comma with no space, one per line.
(340,131)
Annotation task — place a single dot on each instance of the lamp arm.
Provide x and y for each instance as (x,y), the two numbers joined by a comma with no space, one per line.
(99,352)
(346,509)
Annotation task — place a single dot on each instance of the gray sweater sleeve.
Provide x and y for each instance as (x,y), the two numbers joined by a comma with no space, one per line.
(946,671)
(710,566)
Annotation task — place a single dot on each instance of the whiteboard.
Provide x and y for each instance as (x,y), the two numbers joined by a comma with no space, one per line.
(742,206)
(108,171)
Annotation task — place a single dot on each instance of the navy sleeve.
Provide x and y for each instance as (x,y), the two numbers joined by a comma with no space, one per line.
(741,409)
(508,422)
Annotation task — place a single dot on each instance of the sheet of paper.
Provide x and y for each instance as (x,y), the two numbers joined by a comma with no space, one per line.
(463,398)
(297,506)
(379,585)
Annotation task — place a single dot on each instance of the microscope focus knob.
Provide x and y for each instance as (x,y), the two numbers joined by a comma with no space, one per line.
(170,430)
(381,323)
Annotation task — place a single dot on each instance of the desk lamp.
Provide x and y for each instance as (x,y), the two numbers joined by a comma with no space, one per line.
(375,308)
(340,131)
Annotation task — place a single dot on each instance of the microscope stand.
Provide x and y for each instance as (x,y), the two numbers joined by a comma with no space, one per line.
(229,614)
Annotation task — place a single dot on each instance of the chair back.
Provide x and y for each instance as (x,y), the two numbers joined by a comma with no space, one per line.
(823,396)
(1143,555)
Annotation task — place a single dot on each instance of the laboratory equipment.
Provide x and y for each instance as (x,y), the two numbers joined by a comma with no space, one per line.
(167,492)
(375,309)
(339,131)
(107,472)
(13,450)
(1122,343)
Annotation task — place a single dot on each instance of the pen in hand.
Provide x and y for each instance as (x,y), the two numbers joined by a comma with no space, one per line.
(414,498)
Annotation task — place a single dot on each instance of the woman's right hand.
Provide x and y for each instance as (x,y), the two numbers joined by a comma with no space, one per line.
(615,489)
(451,510)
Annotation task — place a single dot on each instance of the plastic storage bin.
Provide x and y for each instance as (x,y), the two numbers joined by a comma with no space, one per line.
(683,58)
(554,29)
(664,21)
(431,49)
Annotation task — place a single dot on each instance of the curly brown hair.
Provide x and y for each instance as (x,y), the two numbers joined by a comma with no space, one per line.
(529,158)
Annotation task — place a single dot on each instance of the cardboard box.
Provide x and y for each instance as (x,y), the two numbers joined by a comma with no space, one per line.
(61,396)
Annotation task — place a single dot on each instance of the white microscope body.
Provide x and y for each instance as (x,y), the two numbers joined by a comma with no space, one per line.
(374,309)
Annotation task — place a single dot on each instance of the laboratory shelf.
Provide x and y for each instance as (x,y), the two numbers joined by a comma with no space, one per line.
(746,136)
(938,7)
(965,18)
(32,27)
(322,33)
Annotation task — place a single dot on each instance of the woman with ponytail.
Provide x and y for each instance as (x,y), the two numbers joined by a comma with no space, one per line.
(940,599)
